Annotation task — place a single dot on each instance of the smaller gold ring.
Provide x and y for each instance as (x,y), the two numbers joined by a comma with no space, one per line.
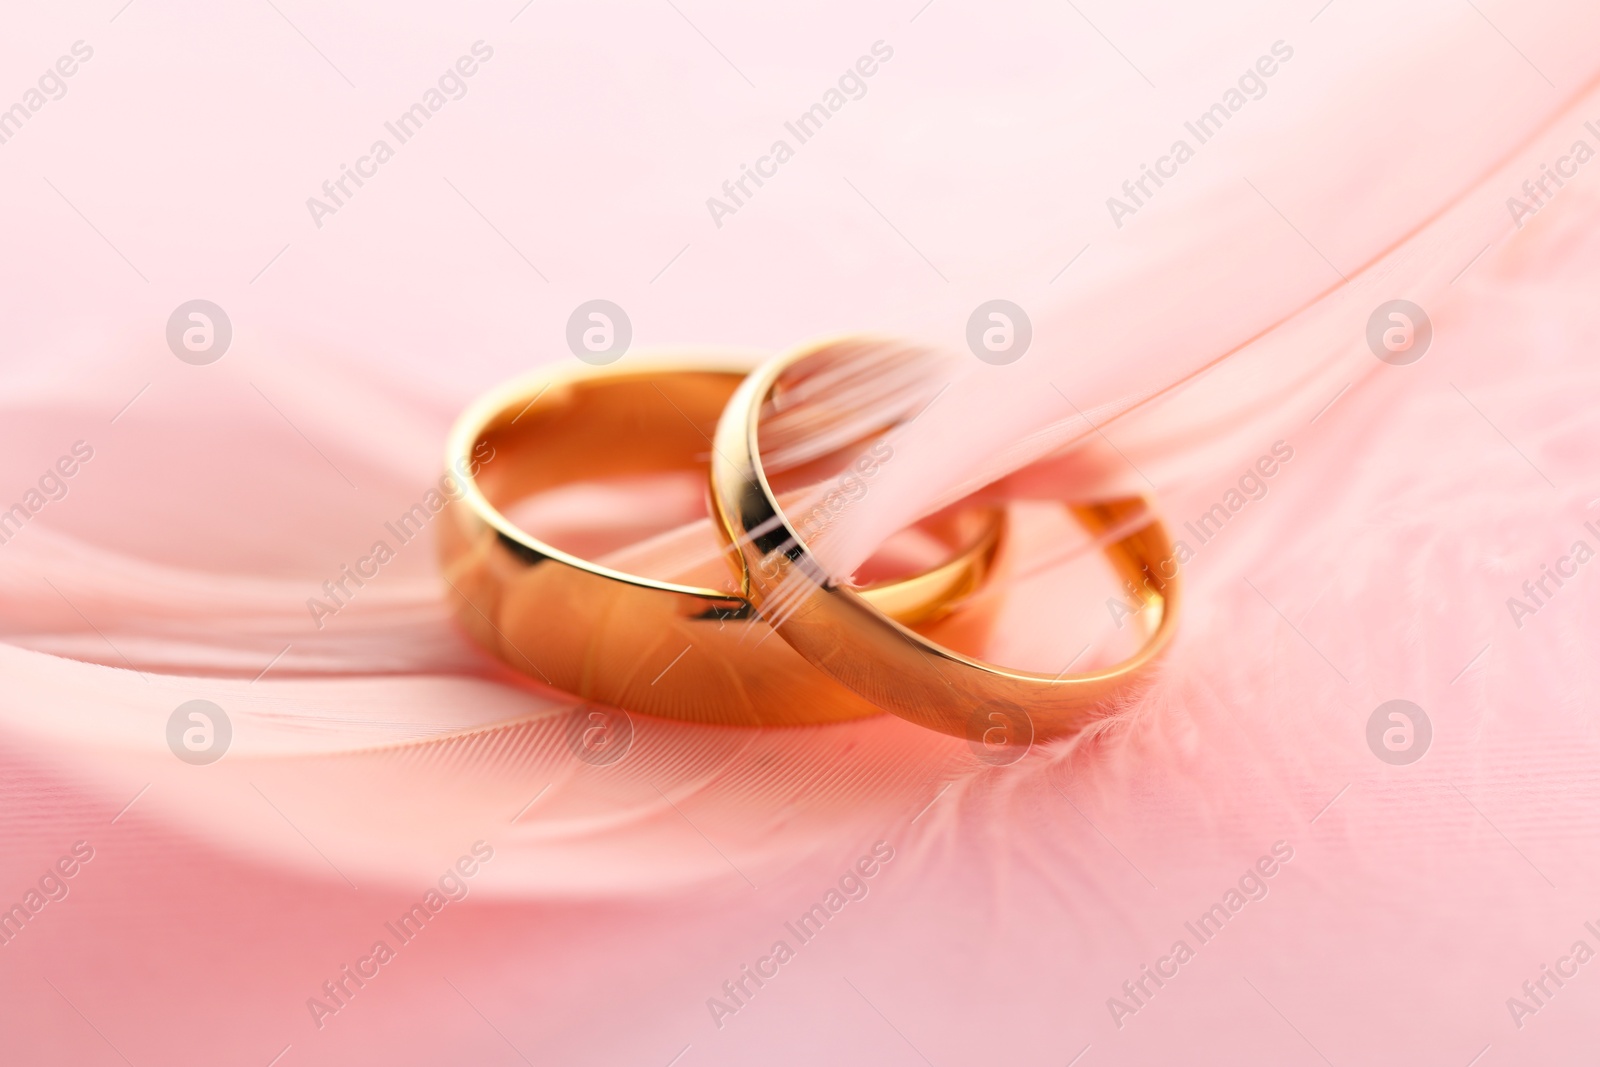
(846,637)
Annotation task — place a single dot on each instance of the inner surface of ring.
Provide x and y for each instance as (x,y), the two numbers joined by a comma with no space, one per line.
(603,427)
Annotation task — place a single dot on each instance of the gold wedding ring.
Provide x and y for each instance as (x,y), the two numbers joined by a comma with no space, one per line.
(844,635)
(642,644)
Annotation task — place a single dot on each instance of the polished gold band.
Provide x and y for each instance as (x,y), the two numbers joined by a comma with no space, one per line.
(890,665)
(641,644)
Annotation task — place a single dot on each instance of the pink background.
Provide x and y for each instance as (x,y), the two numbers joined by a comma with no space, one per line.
(977,165)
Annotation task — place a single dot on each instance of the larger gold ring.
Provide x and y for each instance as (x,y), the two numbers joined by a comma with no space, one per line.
(636,643)
(845,636)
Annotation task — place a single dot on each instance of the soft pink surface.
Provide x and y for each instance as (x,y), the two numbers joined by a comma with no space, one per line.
(376,750)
